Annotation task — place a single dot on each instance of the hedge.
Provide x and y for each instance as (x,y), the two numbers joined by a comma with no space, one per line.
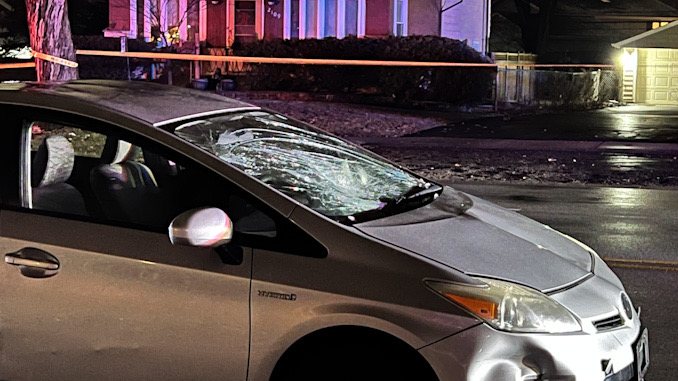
(451,85)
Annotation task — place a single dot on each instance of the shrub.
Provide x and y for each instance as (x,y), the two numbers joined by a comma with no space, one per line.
(453,85)
(110,67)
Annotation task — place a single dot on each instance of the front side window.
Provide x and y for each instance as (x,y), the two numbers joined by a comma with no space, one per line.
(330,176)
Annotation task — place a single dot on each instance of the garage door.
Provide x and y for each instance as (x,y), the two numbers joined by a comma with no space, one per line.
(657,76)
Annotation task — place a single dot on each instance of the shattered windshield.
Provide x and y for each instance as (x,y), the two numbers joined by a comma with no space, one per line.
(320,171)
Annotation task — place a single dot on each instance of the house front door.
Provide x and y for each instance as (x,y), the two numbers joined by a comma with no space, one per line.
(245,21)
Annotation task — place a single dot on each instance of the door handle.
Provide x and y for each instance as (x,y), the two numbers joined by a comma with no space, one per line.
(33,263)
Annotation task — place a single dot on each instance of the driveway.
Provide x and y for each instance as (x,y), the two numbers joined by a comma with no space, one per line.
(639,123)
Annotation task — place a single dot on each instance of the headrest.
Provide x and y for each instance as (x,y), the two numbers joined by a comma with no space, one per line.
(53,163)
(116,151)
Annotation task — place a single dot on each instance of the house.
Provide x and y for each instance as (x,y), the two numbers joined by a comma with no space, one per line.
(574,31)
(467,20)
(650,66)
(221,23)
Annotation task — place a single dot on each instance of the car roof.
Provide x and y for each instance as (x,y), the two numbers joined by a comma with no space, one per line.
(150,102)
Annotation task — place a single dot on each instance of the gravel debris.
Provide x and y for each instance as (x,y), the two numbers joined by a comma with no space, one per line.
(352,120)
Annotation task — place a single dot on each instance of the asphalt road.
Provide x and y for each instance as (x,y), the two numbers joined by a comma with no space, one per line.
(634,229)
(637,123)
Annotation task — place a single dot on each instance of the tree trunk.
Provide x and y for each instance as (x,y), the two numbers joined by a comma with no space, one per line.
(535,26)
(50,33)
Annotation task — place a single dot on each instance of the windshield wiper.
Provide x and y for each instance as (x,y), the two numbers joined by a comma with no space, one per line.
(416,192)
(415,197)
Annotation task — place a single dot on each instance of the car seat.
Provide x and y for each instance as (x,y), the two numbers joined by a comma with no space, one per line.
(50,169)
(125,188)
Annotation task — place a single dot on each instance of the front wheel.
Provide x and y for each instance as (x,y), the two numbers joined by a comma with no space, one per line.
(355,362)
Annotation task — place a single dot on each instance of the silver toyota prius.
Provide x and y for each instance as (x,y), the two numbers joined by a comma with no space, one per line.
(154,232)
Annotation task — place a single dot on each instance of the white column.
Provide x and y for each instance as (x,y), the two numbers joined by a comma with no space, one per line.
(341,18)
(230,22)
(259,20)
(362,7)
(132,19)
(287,9)
(162,15)
(406,12)
(302,18)
(488,30)
(320,18)
(202,20)
(146,14)
(183,17)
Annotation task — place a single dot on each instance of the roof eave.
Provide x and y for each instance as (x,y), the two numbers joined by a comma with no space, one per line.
(627,42)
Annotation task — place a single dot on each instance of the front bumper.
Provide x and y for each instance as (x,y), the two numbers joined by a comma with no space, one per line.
(483,353)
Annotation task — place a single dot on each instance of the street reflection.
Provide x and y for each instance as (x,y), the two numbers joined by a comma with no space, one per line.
(621,162)
(624,197)
(626,126)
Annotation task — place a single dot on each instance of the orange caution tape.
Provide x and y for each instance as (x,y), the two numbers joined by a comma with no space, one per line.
(58,60)
(275,60)
(308,61)
(18,65)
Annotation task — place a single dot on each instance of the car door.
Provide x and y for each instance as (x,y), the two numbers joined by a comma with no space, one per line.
(84,295)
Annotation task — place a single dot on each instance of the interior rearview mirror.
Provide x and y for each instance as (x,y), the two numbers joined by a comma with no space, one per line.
(201,227)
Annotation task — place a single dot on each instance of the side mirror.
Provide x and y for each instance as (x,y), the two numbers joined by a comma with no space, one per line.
(201,227)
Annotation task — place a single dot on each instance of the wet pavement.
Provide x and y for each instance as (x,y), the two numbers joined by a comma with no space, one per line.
(633,145)
(536,166)
(637,123)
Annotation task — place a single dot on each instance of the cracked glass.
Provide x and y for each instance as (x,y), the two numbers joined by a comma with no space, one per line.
(326,174)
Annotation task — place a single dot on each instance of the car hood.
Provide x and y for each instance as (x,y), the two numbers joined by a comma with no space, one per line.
(485,240)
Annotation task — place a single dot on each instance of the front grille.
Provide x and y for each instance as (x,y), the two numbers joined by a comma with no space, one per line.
(609,323)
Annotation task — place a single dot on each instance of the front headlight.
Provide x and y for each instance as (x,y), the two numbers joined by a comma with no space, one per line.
(509,307)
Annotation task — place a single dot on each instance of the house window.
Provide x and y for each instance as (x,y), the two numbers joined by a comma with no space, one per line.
(324,18)
(165,22)
(400,17)
(658,24)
